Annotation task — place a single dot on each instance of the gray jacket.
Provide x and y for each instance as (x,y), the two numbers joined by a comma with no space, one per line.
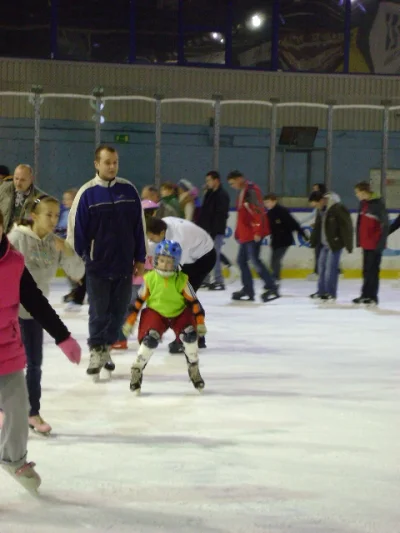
(7,201)
(43,260)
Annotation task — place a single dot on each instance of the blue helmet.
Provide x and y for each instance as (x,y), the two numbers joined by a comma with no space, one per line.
(170,249)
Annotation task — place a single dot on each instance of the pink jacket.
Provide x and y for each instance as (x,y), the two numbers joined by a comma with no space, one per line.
(12,352)
(138,280)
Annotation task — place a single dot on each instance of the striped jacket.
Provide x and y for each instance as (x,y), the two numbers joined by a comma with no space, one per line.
(106,227)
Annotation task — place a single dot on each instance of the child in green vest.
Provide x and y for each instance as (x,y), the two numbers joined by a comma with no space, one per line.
(170,303)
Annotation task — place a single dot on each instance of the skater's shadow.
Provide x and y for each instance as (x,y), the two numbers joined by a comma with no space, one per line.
(144,440)
(384,312)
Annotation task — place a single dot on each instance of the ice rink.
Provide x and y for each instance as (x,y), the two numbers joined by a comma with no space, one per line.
(297,430)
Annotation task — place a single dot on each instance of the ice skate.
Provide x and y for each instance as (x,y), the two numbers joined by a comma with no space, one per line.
(315,296)
(327,299)
(195,376)
(39,426)
(25,474)
(72,307)
(242,296)
(98,359)
(120,345)
(367,302)
(270,295)
(136,379)
(216,286)
(175,347)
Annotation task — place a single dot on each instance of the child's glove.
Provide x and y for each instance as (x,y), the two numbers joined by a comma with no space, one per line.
(71,349)
(127,328)
(201,330)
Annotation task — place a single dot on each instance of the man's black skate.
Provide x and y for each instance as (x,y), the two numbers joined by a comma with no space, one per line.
(176,347)
(136,380)
(365,301)
(195,376)
(270,296)
(242,296)
(216,287)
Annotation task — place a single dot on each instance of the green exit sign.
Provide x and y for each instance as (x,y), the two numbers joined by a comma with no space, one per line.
(121,138)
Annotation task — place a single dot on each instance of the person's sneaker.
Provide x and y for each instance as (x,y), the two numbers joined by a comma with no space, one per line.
(315,296)
(242,296)
(216,286)
(120,345)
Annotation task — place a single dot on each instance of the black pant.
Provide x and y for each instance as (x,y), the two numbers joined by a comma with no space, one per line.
(32,338)
(108,302)
(80,292)
(198,270)
(371,268)
(317,251)
(224,260)
(276,261)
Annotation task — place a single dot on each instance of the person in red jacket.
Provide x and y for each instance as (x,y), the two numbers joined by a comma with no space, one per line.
(17,286)
(372,233)
(251,228)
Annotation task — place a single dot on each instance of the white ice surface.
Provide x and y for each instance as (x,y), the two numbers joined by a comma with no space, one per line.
(297,430)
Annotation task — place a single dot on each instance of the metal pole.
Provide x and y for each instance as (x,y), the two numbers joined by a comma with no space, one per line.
(54,29)
(329,145)
(275,35)
(385,147)
(347,36)
(181,34)
(132,31)
(217,130)
(228,34)
(272,146)
(98,93)
(37,100)
(158,133)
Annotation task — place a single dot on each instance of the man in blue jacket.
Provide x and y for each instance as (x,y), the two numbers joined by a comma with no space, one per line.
(106,229)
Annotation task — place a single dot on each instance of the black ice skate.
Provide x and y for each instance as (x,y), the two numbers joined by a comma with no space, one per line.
(315,296)
(369,302)
(175,347)
(216,287)
(195,376)
(327,299)
(136,379)
(242,296)
(269,296)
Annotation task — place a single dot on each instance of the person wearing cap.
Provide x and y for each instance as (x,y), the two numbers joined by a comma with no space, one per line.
(16,195)
(187,199)
(150,193)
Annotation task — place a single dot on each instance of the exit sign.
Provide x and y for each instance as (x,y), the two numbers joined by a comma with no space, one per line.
(121,138)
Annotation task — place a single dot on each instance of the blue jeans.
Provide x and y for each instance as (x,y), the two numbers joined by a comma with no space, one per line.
(328,271)
(249,252)
(32,338)
(108,302)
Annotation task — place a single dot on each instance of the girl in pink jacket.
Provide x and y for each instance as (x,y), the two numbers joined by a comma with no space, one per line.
(17,286)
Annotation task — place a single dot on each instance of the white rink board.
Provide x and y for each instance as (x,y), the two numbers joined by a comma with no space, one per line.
(301,257)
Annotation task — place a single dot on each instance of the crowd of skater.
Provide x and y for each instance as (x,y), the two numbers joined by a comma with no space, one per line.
(141,259)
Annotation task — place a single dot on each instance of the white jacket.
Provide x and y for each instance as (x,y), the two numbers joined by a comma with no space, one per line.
(194,241)
(42,259)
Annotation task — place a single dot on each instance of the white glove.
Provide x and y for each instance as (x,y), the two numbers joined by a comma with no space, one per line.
(201,330)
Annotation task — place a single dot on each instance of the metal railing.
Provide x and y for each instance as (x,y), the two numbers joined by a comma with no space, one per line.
(97,100)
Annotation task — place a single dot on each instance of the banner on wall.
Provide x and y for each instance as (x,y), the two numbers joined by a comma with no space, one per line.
(301,256)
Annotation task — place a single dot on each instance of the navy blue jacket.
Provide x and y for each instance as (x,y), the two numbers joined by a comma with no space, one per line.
(106,227)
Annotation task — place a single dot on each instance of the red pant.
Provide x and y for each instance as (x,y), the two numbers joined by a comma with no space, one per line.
(150,319)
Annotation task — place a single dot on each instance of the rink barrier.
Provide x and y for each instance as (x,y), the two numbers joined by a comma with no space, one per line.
(299,260)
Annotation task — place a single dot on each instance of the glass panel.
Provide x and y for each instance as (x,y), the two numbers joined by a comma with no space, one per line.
(205,47)
(311,35)
(93,31)
(156,31)
(205,13)
(25,29)
(375,37)
(252,33)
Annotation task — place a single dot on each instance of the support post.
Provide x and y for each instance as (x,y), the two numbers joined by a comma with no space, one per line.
(329,145)
(271,183)
(158,133)
(132,31)
(217,130)
(228,34)
(37,101)
(54,29)
(181,34)
(98,93)
(385,146)
(347,36)
(275,35)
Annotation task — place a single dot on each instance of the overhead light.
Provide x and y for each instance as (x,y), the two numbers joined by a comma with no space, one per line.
(256,21)
(216,36)
(222,40)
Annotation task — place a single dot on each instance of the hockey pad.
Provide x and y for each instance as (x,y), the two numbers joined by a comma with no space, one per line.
(189,339)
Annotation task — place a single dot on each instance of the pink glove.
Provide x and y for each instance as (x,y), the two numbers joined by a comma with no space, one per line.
(71,349)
